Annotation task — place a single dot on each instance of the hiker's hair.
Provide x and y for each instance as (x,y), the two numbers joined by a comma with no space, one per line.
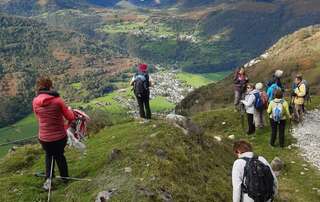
(44,83)
(250,85)
(242,146)
(278,94)
(299,77)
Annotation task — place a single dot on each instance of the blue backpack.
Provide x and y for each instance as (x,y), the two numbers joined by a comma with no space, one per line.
(277,112)
(258,104)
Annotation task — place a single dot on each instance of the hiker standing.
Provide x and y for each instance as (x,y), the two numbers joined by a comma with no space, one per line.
(298,97)
(276,79)
(248,103)
(271,91)
(51,112)
(240,81)
(261,104)
(252,176)
(279,113)
(141,82)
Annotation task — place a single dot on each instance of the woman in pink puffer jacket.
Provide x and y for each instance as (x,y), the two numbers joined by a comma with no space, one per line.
(51,113)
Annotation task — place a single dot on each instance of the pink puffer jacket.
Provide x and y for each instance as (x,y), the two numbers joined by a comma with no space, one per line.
(50,111)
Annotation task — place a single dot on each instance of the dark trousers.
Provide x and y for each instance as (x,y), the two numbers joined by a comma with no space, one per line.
(251,126)
(55,150)
(144,107)
(275,126)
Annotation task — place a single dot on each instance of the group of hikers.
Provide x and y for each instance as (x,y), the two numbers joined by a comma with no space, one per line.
(252,176)
(253,179)
(257,101)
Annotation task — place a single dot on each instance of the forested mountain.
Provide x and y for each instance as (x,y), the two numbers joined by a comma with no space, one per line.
(29,49)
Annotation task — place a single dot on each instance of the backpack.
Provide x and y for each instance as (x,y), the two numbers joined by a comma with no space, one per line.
(258,181)
(271,91)
(258,104)
(277,112)
(141,87)
(307,97)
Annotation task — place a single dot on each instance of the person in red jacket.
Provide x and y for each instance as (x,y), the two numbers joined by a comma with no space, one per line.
(51,113)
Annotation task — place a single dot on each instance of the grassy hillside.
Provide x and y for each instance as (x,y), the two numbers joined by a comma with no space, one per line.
(25,128)
(295,53)
(198,80)
(164,162)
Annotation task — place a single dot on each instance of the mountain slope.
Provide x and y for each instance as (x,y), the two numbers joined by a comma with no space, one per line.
(295,53)
(29,49)
(157,162)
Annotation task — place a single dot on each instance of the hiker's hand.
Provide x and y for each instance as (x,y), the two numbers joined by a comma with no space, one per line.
(293,94)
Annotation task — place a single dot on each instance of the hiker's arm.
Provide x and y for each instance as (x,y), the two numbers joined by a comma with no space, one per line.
(67,112)
(151,81)
(269,110)
(287,111)
(34,109)
(132,81)
(236,181)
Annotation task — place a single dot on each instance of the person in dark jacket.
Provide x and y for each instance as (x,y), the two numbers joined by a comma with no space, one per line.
(51,113)
(240,81)
(141,83)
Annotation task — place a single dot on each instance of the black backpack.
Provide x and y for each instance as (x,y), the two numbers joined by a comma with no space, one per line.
(141,85)
(258,181)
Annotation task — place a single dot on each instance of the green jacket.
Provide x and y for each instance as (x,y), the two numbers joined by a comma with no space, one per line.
(273,104)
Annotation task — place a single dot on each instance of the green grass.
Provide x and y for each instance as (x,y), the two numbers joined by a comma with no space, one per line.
(189,171)
(76,85)
(159,104)
(198,80)
(293,185)
(25,128)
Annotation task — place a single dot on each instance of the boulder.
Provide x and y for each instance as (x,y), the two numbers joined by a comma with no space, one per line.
(114,155)
(105,195)
(277,165)
(185,124)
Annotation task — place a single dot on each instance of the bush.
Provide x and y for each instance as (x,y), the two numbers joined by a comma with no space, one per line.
(99,120)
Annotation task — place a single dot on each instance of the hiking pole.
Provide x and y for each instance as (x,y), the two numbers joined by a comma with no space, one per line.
(17,141)
(66,178)
(51,171)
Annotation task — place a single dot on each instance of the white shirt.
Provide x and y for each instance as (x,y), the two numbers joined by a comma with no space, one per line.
(237,177)
(249,101)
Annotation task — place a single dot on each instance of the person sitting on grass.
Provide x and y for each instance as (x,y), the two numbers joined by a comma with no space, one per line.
(279,112)
(252,176)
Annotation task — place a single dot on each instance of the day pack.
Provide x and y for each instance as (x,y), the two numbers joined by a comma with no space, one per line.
(258,104)
(258,181)
(277,111)
(141,85)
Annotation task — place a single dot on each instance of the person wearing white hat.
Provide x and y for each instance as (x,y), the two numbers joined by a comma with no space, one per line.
(259,118)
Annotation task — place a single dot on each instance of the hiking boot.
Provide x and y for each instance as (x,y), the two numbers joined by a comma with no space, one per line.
(47,185)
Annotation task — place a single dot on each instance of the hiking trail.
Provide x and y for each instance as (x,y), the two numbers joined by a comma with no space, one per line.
(308,137)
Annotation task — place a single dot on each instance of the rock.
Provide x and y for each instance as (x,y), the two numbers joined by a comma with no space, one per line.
(105,195)
(231,137)
(128,170)
(218,138)
(154,134)
(115,154)
(166,196)
(161,153)
(302,173)
(277,165)
(224,123)
(185,124)
(146,192)
(293,162)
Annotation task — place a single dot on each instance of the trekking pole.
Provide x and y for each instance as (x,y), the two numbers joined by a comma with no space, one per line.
(17,141)
(51,171)
(66,178)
